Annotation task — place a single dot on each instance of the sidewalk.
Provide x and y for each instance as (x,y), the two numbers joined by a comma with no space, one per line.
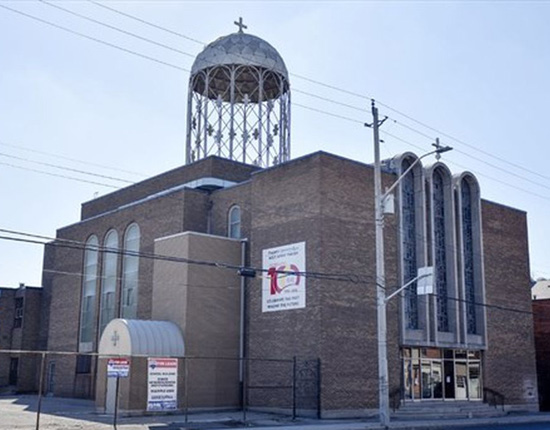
(68,414)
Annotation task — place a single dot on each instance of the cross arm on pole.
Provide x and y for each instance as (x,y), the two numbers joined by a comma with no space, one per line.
(395,293)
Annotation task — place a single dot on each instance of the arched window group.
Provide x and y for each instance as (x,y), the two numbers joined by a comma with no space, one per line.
(440,219)
(109,274)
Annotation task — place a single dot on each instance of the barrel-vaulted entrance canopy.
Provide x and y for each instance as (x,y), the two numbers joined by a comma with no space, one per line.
(140,337)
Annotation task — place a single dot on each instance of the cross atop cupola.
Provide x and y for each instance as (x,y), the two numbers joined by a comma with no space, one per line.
(240,24)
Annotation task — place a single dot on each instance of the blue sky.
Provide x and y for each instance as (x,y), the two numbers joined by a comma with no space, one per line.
(476,71)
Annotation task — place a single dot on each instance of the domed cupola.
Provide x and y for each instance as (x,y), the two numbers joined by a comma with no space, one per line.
(239,102)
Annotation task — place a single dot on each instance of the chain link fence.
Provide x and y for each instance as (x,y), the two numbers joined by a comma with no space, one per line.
(148,385)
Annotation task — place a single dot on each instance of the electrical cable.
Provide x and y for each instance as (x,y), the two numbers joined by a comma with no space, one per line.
(57,166)
(333,87)
(296,90)
(75,160)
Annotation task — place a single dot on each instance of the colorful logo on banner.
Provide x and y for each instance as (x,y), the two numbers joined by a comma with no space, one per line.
(281,277)
(284,287)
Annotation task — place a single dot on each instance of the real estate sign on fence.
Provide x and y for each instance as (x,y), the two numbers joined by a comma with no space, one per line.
(162,384)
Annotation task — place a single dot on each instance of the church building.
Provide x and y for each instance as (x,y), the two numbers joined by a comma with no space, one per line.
(165,268)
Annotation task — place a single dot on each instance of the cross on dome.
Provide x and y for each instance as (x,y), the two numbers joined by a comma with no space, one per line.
(240,24)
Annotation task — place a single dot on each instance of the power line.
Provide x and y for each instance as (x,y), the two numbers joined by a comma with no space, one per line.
(112,27)
(103,42)
(295,104)
(352,278)
(143,21)
(75,160)
(317,82)
(57,175)
(83,246)
(56,166)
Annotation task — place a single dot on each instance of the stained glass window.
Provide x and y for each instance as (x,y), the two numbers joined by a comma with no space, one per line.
(440,252)
(409,240)
(468,250)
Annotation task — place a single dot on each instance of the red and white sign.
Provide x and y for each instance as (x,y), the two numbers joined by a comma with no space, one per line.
(118,367)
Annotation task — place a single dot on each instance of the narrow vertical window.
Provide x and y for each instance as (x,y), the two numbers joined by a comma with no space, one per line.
(108,290)
(234,223)
(468,250)
(89,286)
(440,244)
(409,246)
(130,272)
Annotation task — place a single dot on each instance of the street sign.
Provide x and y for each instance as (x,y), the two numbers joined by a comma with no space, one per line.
(118,367)
(425,283)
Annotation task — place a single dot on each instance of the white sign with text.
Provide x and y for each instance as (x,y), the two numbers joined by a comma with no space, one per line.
(284,286)
(162,384)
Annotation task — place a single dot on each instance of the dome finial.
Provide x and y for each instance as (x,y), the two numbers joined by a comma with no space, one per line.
(240,24)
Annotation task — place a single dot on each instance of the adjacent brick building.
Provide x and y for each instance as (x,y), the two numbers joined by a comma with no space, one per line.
(20,316)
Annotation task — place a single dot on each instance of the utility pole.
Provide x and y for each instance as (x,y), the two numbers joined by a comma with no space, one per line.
(383,386)
(381,299)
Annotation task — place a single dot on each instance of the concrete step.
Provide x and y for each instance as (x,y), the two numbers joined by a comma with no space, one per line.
(448,409)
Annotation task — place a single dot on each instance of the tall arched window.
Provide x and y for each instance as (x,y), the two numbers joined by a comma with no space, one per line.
(234,222)
(440,251)
(89,286)
(468,256)
(108,290)
(409,243)
(130,275)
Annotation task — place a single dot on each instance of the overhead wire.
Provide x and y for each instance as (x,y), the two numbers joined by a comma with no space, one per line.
(69,169)
(313,109)
(79,245)
(296,90)
(315,275)
(74,160)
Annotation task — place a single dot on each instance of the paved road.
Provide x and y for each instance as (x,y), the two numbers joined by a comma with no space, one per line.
(526,426)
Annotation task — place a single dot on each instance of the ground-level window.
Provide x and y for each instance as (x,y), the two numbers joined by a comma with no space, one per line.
(432,373)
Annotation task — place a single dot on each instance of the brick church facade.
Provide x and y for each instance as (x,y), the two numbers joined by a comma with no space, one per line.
(326,202)
(164,252)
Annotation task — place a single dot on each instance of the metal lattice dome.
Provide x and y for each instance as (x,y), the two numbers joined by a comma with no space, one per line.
(240,48)
(239,102)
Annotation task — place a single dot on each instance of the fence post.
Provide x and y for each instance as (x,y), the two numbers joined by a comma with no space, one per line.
(319,388)
(245,383)
(116,403)
(40,389)
(294,370)
(186,393)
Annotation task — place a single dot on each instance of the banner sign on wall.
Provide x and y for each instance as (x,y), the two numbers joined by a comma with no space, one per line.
(284,291)
(162,384)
